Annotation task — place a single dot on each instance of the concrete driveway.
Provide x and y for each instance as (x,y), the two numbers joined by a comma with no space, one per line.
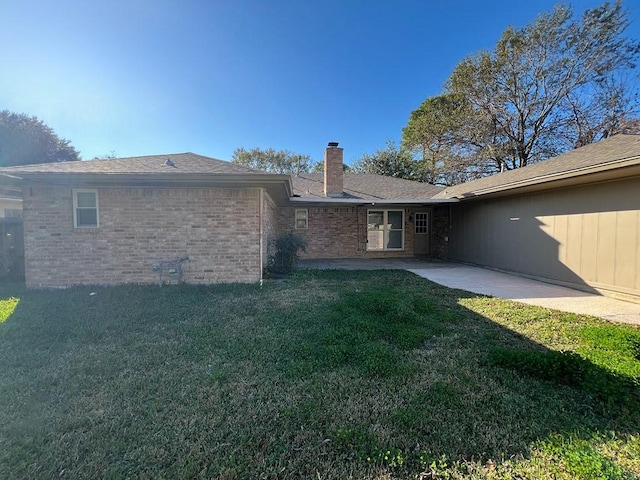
(497,284)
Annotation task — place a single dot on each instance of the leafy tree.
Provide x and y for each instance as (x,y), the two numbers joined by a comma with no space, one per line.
(434,135)
(270,160)
(558,83)
(392,161)
(25,140)
(318,167)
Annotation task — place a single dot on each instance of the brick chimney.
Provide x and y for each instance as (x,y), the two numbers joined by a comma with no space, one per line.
(333,185)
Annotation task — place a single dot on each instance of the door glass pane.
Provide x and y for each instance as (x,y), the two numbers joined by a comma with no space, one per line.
(422,223)
(395,239)
(376,220)
(395,220)
(375,240)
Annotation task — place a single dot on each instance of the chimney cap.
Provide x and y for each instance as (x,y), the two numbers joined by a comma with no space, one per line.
(333,144)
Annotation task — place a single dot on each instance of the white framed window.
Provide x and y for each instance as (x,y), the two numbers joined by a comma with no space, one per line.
(85,208)
(422,223)
(385,230)
(302,219)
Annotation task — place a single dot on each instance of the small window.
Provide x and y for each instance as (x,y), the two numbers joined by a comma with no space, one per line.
(302,219)
(85,208)
(422,223)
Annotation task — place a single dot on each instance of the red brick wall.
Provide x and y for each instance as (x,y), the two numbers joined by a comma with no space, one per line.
(440,246)
(340,232)
(269,226)
(333,173)
(217,228)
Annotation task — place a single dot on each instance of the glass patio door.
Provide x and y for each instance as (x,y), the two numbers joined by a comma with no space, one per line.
(385,230)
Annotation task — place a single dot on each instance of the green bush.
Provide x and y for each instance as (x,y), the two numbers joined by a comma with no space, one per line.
(285,259)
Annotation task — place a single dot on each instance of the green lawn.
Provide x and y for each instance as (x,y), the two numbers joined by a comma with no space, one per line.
(330,374)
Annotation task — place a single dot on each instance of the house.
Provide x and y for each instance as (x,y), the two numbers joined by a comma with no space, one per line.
(119,220)
(573,219)
(348,215)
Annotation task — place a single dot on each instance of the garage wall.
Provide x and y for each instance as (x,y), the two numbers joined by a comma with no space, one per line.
(217,228)
(586,236)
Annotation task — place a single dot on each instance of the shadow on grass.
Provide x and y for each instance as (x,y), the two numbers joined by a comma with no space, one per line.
(485,390)
(333,372)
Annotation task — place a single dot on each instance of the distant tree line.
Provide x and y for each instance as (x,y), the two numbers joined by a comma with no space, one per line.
(277,161)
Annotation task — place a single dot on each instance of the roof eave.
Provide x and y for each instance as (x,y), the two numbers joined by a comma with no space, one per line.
(279,186)
(370,201)
(580,176)
(110,177)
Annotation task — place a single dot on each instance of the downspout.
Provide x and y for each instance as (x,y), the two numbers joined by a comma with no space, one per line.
(261,231)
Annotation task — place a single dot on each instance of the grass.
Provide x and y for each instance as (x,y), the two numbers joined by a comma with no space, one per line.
(331,374)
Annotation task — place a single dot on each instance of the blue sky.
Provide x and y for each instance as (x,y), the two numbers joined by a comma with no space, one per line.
(142,77)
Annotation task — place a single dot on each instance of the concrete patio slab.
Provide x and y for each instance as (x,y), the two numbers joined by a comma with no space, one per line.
(497,284)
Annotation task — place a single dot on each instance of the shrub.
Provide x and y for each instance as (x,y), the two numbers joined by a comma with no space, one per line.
(285,258)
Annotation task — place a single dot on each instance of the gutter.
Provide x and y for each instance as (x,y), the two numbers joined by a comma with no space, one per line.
(97,180)
(364,201)
(106,177)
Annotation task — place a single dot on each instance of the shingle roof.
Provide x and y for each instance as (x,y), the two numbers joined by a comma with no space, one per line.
(171,164)
(616,149)
(365,186)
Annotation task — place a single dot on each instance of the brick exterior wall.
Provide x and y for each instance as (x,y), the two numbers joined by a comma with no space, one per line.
(333,172)
(441,226)
(340,232)
(217,228)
